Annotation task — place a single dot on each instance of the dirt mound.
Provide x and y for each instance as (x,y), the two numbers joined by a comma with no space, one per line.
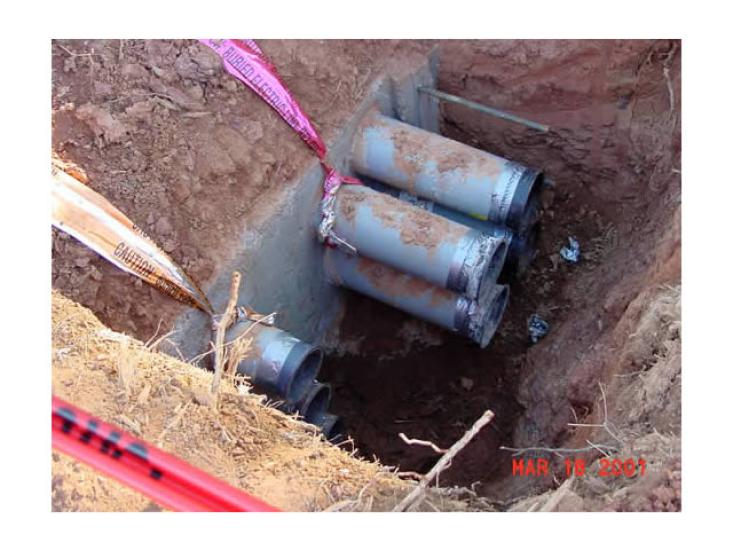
(249,445)
(638,413)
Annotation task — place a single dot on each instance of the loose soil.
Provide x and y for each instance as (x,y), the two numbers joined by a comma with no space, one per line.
(167,403)
(169,138)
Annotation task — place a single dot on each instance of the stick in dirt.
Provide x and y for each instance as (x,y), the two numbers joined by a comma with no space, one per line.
(220,327)
(418,493)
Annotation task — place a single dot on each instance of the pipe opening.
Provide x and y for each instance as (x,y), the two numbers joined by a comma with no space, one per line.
(314,409)
(305,372)
(529,249)
(531,213)
(525,207)
(522,252)
(336,431)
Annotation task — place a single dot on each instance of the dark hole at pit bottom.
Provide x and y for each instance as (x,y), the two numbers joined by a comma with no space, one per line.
(433,393)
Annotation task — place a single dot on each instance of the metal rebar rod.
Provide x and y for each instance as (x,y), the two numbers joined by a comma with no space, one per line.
(483,108)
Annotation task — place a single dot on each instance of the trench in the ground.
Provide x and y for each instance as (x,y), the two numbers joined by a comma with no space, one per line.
(402,377)
(436,386)
(613,154)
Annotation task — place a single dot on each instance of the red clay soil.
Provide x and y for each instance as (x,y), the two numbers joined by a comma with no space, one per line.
(170,139)
(186,151)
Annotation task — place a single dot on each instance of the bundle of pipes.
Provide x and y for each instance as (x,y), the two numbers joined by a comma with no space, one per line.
(417,242)
(434,226)
(419,262)
(285,368)
(467,185)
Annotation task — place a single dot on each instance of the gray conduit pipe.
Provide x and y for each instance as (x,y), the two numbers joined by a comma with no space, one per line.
(277,362)
(332,427)
(312,406)
(414,241)
(477,320)
(522,248)
(445,171)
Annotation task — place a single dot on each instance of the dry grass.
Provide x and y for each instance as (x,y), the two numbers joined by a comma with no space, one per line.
(164,401)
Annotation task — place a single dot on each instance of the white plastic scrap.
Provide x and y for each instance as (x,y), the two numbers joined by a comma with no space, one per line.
(571,253)
(537,328)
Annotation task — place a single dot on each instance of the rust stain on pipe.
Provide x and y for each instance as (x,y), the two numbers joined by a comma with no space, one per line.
(395,283)
(416,227)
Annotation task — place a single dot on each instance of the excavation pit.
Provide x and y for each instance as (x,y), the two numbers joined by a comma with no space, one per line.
(209,188)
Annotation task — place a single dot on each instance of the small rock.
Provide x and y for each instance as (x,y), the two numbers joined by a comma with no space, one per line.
(134,71)
(555,260)
(230,84)
(180,190)
(196,92)
(163,226)
(70,64)
(141,111)
(102,123)
(466,383)
(203,397)
(103,89)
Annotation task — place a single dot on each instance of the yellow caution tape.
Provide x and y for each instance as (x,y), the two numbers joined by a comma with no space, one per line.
(89,217)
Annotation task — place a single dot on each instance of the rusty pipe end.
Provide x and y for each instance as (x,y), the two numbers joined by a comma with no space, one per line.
(497,256)
(478,320)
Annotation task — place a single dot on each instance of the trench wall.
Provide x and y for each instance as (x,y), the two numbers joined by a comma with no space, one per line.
(280,258)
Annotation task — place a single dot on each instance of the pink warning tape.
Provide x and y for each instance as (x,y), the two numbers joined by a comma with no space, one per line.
(245,60)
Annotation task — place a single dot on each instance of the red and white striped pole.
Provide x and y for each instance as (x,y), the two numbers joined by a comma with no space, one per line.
(169,481)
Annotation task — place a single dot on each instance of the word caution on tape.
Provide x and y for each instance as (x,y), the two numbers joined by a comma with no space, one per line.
(87,216)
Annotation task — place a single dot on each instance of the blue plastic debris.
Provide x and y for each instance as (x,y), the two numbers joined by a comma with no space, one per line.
(537,328)
(571,253)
